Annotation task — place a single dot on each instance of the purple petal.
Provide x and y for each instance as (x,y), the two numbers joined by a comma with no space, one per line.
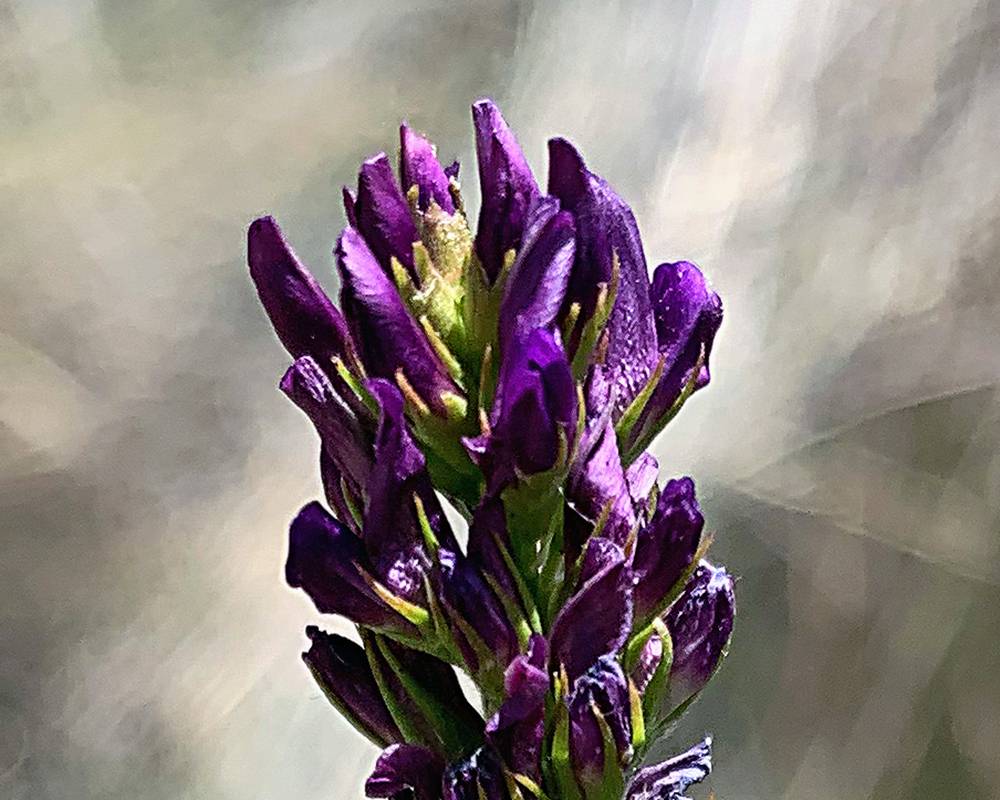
(540,273)
(605,226)
(671,778)
(383,216)
(666,546)
(641,477)
(688,314)
(323,559)
(391,529)
(535,402)
(406,772)
(350,204)
(389,337)
(418,166)
(603,686)
(487,534)
(339,429)
(466,595)
(452,170)
(597,478)
(649,660)
(341,668)
(479,777)
(333,490)
(700,623)
(506,184)
(518,727)
(596,620)
(306,322)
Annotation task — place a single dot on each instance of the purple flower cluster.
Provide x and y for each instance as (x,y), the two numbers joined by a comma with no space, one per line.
(520,372)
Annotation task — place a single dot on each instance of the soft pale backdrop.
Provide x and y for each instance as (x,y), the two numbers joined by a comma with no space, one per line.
(833,167)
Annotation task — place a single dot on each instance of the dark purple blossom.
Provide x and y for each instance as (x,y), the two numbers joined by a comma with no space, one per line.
(508,188)
(341,668)
(700,623)
(329,562)
(534,412)
(406,772)
(540,273)
(669,779)
(688,314)
(518,727)
(665,547)
(382,216)
(306,322)
(603,691)
(343,434)
(418,166)
(597,618)
(471,604)
(606,230)
(389,339)
(478,777)
(597,483)
(392,529)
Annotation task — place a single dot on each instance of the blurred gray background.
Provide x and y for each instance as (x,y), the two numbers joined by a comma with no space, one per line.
(833,167)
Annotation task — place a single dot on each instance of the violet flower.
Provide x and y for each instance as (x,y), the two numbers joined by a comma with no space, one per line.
(518,369)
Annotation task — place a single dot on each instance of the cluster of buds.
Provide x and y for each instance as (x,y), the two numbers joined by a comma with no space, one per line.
(520,372)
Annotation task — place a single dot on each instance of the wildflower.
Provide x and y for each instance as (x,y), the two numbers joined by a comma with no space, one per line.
(519,371)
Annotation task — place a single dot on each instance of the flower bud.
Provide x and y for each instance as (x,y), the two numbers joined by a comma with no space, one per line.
(341,669)
(669,779)
(700,623)
(665,547)
(382,215)
(478,777)
(599,704)
(406,772)
(507,185)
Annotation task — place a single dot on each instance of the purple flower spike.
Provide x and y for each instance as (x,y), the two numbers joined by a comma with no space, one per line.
(688,313)
(535,404)
(700,623)
(342,434)
(406,772)
(665,547)
(341,668)
(324,559)
(540,273)
(605,228)
(383,216)
(306,322)
(507,185)
(596,620)
(391,531)
(467,597)
(418,166)
(479,777)
(389,337)
(671,778)
(602,687)
(517,729)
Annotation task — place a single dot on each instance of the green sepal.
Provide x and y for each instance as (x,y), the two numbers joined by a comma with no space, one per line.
(593,328)
(612,783)
(651,430)
(630,417)
(638,717)
(443,731)
(560,767)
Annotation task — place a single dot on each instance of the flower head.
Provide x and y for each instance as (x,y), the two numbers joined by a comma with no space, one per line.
(517,372)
